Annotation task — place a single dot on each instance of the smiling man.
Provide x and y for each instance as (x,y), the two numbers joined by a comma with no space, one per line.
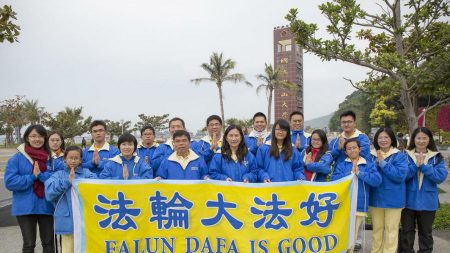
(208,145)
(259,135)
(95,156)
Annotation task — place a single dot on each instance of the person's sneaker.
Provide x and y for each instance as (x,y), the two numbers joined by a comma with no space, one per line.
(357,246)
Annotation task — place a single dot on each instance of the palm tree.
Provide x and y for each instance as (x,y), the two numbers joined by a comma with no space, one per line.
(273,79)
(219,72)
(32,112)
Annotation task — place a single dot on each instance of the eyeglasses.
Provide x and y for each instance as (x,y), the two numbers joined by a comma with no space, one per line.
(214,124)
(280,130)
(35,137)
(351,148)
(347,122)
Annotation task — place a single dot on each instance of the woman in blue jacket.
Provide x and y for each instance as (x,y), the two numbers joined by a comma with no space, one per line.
(278,161)
(426,169)
(57,190)
(25,175)
(234,162)
(127,165)
(387,200)
(316,157)
(366,173)
(57,146)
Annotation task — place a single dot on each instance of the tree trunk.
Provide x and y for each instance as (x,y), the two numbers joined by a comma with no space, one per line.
(405,97)
(269,109)
(219,85)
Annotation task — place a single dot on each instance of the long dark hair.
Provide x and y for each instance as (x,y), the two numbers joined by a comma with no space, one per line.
(323,138)
(42,132)
(389,132)
(287,143)
(431,145)
(63,144)
(242,148)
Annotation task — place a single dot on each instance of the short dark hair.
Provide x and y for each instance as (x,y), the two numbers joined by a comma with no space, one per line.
(42,132)
(260,114)
(175,119)
(431,145)
(348,113)
(213,117)
(147,127)
(350,141)
(389,132)
(63,143)
(127,138)
(73,148)
(98,123)
(180,133)
(296,113)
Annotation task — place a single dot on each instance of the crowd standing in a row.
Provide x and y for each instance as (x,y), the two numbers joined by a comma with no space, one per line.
(396,187)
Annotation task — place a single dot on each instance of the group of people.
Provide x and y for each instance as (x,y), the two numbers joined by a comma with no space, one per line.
(396,187)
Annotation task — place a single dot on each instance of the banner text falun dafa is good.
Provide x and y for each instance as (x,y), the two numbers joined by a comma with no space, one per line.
(146,216)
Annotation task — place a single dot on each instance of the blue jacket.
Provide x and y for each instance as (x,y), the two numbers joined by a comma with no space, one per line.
(367,176)
(106,152)
(137,168)
(203,148)
(57,162)
(339,155)
(305,138)
(57,190)
(144,152)
(19,179)
(171,168)
(221,169)
(321,168)
(251,141)
(162,151)
(433,172)
(393,170)
(278,170)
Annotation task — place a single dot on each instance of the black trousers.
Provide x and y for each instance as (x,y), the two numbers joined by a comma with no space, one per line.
(28,228)
(424,221)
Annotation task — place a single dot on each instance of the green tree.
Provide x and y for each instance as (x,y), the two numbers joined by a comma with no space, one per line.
(8,30)
(158,122)
(358,102)
(218,70)
(244,123)
(32,112)
(69,122)
(381,115)
(273,79)
(11,111)
(403,47)
(117,128)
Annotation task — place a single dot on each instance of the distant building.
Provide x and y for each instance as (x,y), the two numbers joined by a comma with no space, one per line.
(288,55)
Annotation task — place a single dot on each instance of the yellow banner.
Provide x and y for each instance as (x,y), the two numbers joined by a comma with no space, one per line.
(143,216)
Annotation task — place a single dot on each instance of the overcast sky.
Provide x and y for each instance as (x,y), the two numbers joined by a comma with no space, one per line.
(118,59)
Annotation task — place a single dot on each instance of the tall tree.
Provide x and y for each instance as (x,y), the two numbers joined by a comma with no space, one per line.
(400,46)
(8,30)
(219,70)
(273,79)
(69,123)
(32,112)
(116,128)
(12,115)
(158,122)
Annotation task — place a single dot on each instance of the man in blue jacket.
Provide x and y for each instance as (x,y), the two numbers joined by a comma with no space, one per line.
(166,149)
(208,145)
(348,125)
(184,163)
(95,156)
(259,135)
(300,139)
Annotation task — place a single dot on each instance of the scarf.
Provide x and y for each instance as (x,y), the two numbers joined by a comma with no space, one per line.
(308,173)
(58,152)
(39,156)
